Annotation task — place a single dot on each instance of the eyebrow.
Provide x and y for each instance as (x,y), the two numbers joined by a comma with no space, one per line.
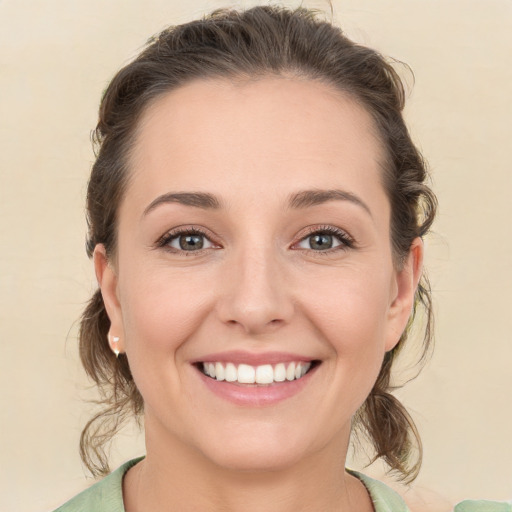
(298,200)
(308,198)
(196,199)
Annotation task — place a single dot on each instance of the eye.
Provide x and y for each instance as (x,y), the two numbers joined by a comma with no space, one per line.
(326,238)
(319,242)
(186,240)
(190,242)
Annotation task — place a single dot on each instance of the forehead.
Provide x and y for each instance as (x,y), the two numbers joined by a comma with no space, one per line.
(262,135)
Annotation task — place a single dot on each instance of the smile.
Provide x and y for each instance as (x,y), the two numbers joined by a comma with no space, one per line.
(256,379)
(264,374)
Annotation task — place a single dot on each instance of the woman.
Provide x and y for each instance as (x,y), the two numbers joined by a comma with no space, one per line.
(256,216)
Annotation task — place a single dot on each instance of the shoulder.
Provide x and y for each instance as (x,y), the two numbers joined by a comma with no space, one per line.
(386,499)
(483,506)
(383,497)
(104,496)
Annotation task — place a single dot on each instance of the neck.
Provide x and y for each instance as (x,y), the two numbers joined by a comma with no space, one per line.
(176,477)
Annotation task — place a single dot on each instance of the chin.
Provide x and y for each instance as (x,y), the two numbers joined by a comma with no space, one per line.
(256,453)
(249,460)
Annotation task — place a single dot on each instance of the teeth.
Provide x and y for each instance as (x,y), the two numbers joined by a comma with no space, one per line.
(231,373)
(290,372)
(280,372)
(219,371)
(246,374)
(263,374)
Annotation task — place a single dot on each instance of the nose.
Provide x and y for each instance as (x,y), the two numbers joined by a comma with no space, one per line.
(254,294)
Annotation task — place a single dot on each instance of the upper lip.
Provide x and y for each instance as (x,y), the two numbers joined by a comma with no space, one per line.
(252,359)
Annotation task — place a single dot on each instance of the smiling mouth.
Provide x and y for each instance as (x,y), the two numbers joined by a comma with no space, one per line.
(265,374)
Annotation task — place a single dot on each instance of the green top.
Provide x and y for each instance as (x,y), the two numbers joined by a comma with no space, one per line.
(107,496)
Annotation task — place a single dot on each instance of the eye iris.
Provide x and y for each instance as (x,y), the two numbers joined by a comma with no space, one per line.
(321,241)
(191,242)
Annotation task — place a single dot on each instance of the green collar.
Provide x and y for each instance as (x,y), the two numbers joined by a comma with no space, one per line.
(107,494)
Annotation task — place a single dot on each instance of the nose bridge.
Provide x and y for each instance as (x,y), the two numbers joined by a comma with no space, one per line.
(255,295)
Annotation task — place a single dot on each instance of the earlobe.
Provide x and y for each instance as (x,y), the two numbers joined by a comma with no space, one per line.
(407,280)
(108,283)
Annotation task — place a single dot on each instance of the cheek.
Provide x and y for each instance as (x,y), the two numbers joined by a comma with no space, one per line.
(161,309)
(161,312)
(351,311)
(351,307)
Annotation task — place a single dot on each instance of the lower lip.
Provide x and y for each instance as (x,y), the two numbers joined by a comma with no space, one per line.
(254,395)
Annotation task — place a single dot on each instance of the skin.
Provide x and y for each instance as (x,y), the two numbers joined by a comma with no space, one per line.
(259,286)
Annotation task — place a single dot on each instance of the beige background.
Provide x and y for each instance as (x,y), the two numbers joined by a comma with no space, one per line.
(56,57)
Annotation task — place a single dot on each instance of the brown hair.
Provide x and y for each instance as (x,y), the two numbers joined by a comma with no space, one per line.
(253,43)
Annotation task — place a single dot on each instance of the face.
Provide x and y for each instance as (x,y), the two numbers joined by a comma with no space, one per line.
(253,289)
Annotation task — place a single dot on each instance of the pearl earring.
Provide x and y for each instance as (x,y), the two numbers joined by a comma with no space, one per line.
(114,347)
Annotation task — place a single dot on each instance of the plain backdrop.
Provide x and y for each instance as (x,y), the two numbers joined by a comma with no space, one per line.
(56,58)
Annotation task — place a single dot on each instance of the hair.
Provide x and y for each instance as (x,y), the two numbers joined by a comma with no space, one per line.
(231,44)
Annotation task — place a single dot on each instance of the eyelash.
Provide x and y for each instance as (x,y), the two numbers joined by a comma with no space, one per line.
(164,241)
(346,241)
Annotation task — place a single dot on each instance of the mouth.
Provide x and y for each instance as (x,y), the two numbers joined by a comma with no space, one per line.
(260,375)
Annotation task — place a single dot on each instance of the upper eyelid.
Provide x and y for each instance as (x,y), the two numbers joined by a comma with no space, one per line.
(310,230)
(333,230)
(183,230)
(179,230)
(346,239)
(324,228)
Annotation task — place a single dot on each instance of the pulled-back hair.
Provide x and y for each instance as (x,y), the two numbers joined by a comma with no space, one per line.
(263,41)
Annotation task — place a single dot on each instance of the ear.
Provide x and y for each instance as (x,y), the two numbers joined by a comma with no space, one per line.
(107,281)
(404,291)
